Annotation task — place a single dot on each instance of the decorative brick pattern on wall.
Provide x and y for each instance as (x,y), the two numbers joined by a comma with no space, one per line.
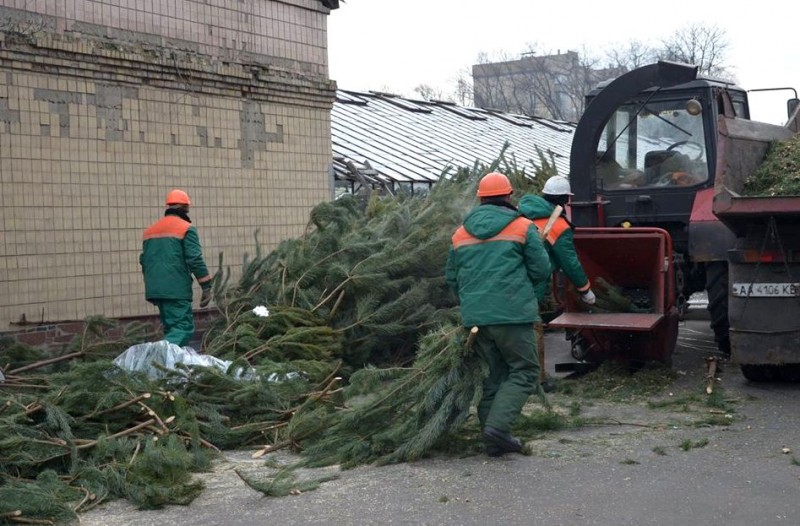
(93,135)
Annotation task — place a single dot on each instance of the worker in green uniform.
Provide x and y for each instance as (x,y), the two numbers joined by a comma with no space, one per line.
(559,239)
(560,245)
(171,254)
(497,265)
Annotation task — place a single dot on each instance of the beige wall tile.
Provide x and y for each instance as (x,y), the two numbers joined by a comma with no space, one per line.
(74,206)
(283,30)
(76,196)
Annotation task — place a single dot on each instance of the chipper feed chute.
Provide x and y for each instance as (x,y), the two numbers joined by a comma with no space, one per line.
(635,319)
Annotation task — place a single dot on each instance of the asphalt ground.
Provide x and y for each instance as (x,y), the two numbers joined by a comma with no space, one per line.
(643,466)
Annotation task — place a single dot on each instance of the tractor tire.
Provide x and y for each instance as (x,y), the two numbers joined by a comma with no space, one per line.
(717,288)
(771,372)
(761,373)
(790,372)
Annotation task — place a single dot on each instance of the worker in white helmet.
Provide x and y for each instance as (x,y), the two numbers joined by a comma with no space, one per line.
(559,239)
(559,244)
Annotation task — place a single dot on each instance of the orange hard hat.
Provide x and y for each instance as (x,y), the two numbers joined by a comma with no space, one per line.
(494,184)
(178,197)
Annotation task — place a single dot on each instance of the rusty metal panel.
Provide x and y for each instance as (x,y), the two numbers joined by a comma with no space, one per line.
(763,348)
(710,241)
(623,321)
(741,148)
(762,206)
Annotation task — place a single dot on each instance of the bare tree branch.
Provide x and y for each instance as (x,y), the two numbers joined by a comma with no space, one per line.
(463,93)
(630,55)
(554,85)
(539,83)
(705,46)
(428,92)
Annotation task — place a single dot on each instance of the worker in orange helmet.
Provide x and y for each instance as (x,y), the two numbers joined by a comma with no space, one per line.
(498,266)
(171,254)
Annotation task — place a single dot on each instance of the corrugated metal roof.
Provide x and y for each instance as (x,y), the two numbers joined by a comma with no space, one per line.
(391,139)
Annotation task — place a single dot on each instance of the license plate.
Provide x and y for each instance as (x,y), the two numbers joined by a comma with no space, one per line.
(766,290)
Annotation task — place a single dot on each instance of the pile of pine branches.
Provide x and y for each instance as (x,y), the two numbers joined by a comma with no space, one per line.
(373,272)
(361,359)
(76,430)
(779,174)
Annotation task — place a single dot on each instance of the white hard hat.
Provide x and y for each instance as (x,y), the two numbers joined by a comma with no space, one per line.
(557,185)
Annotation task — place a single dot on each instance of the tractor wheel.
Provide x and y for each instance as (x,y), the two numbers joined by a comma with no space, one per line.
(760,373)
(790,372)
(717,288)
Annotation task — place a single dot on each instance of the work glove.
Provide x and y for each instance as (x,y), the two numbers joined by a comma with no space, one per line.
(205,298)
(588,297)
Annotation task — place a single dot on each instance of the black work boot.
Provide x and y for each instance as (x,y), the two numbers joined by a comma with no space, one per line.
(548,385)
(724,345)
(493,450)
(502,440)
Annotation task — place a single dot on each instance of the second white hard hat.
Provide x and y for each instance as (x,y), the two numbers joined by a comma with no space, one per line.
(557,185)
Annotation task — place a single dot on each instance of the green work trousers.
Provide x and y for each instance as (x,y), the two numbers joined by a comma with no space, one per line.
(177,319)
(510,352)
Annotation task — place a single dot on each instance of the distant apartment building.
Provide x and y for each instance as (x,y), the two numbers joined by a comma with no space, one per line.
(105,105)
(550,86)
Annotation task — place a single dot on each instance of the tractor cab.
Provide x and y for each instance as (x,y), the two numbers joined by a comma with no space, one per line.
(646,145)
(643,157)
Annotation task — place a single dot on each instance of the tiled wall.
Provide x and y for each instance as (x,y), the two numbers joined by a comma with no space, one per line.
(269,30)
(88,151)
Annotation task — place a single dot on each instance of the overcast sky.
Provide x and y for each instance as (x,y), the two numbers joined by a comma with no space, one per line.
(382,44)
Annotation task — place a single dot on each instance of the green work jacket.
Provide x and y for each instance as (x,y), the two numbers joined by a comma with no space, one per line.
(498,266)
(560,243)
(171,253)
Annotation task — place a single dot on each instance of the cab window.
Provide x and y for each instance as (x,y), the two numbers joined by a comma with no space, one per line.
(654,144)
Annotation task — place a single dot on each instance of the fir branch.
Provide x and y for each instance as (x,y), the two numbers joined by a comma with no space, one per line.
(117,407)
(26,520)
(43,363)
(126,432)
(283,483)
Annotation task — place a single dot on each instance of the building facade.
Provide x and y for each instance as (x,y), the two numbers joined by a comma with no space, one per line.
(547,86)
(105,105)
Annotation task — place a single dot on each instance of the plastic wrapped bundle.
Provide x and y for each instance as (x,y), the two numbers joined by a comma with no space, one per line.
(156,359)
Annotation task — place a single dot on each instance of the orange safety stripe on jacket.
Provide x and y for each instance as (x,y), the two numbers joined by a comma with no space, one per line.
(515,231)
(559,227)
(169,226)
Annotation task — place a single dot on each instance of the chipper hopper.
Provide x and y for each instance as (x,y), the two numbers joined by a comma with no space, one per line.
(635,319)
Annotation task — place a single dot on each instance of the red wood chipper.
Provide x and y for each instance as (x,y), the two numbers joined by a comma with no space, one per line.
(635,260)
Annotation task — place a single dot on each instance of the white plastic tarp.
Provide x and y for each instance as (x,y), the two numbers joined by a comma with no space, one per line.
(156,358)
